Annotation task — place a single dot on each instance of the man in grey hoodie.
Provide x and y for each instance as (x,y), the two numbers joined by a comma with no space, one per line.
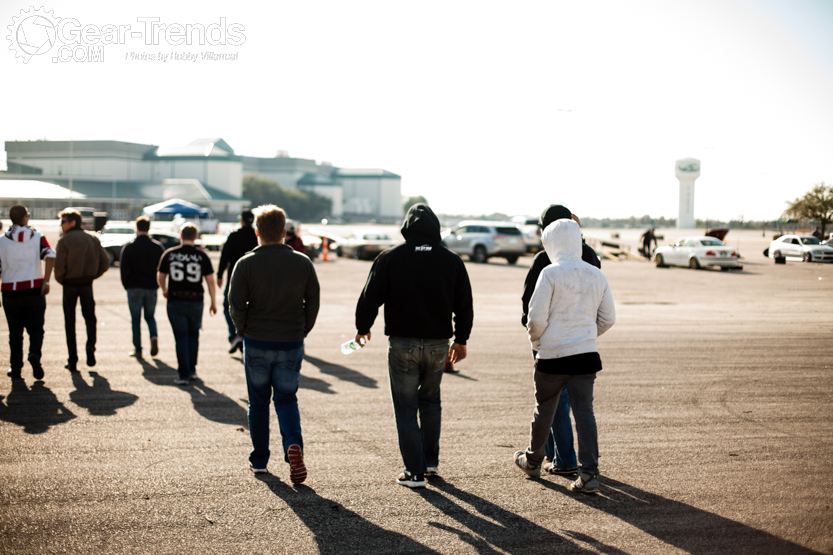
(570,307)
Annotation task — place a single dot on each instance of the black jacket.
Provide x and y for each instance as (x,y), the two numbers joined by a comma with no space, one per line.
(138,262)
(421,283)
(541,261)
(238,243)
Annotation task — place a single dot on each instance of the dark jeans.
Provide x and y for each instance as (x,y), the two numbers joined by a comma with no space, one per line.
(137,301)
(231,329)
(24,313)
(560,450)
(186,321)
(268,371)
(72,294)
(416,368)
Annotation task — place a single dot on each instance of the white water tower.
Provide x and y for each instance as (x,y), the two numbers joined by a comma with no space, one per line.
(687,171)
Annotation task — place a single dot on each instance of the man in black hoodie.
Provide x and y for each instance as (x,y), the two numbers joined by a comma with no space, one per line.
(239,242)
(421,283)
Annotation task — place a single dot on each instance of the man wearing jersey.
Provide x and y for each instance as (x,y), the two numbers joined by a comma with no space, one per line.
(181,272)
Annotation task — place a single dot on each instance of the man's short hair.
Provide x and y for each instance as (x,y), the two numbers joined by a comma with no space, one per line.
(17,213)
(188,232)
(270,223)
(72,216)
(143,224)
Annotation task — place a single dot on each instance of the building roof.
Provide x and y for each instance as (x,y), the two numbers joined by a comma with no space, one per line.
(367,172)
(198,147)
(32,189)
(315,179)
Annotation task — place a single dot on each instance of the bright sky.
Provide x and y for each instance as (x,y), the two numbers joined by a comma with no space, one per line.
(479,106)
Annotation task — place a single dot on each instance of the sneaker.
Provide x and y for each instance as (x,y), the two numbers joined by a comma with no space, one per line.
(523,464)
(586,483)
(13,374)
(90,359)
(552,469)
(37,370)
(431,471)
(236,343)
(180,381)
(258,470)
(297,470)
(193,376)
(411,480)
(135,354)
(154,346)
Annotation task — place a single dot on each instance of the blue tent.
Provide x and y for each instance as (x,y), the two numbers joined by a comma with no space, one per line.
(177,206)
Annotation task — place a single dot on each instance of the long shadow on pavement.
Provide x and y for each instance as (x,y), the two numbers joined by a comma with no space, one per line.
(98,398)
(210,404)
(306,382)
(36,409)
(342,372)
(680,525)
(338,530)
(497,530)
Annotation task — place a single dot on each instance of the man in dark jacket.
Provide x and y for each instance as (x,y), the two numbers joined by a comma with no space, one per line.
(421,283)
(274,299)
(137,263)
(79,260)
(559,449)
(239,242)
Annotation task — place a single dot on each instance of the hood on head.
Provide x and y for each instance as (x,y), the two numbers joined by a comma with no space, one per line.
(421,225)
(552,213)
(562,240)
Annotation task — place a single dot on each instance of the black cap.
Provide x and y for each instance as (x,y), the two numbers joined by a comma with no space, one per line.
(552,213)
(247,216)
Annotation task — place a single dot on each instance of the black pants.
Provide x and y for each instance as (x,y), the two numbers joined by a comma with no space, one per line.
(72,293)
(24,312)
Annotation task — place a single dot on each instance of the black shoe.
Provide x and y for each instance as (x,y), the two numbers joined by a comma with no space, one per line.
(71,367)
(411,480)
(236,344)
(90,359)
(37,370)
(13,374)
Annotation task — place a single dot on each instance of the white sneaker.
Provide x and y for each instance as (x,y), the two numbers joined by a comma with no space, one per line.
(586,483)
(431,471)
(180,381)
(523,464)
(258,470)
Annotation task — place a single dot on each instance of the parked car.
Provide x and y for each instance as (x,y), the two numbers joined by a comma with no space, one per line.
(698,252)
(87,216)
(115,236)
(532,234)
(799,247)
(365,245)
(481,240)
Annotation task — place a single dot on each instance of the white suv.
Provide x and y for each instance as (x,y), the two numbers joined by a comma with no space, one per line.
(481,240)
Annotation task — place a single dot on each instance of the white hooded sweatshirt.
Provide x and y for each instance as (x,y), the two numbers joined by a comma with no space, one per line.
(572,303)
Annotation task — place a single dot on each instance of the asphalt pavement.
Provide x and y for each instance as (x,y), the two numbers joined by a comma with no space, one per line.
(714,408)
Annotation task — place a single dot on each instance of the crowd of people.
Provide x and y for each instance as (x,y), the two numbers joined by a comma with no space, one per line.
(271,302)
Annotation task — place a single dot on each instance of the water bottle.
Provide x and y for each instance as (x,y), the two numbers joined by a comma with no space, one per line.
(350,346)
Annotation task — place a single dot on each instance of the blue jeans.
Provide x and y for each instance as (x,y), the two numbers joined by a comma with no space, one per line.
(138,299)
(186,321)
(416,368)
(547,395)
(232,331)
(560,449)
(268,370)
(26,312)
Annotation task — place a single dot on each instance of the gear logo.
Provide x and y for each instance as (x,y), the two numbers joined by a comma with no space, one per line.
(32,33)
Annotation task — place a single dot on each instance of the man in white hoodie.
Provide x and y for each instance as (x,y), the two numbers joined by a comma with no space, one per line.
(24,288)
(571,306)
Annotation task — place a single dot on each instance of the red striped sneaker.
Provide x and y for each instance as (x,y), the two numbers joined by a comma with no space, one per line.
(297,470)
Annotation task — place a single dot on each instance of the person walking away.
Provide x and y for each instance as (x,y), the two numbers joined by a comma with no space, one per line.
(80,260)
(422,285)
(24,286)
(137,263)
(181,272)
(274,300)
(560,450)
(292,238)
(239,242)
(647,237)
(571,306)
